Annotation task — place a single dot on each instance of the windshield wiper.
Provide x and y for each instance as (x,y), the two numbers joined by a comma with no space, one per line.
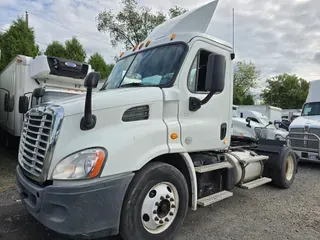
(133,84)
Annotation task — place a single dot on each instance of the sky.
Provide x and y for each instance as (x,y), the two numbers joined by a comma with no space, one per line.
(276,35)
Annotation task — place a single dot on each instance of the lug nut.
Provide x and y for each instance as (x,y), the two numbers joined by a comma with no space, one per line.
(167,196)
(173,206)
(155,212)
(157,204)
(161,222)
(171,213)
(156,219)
(171,200)
(161,198)
(167,219)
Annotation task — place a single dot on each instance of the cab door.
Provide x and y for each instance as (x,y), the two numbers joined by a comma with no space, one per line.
(209,127)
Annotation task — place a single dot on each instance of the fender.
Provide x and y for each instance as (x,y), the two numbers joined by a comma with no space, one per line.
(192,173)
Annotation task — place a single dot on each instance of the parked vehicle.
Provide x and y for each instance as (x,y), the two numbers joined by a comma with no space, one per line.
(26,82)
(288,115)
(271,113)
(254,127)
(304,132)
(145,150)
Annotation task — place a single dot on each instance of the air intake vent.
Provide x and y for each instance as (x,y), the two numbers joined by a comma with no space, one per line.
(136,114)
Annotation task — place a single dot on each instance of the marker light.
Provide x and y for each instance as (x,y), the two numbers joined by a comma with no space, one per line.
(173,36)
(148,43)
(141,45)
(121,54)
(134,48)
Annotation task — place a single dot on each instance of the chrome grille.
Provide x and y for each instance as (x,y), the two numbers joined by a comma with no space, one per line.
(294,142)
(313,144)
(35,140)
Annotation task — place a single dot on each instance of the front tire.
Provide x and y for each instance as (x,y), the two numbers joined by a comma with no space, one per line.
(156,203)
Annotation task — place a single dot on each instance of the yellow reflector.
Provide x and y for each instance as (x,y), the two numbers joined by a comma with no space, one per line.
(225,141)
(172,36)
(121,54)
(141,45)
(134,48)
(174,136)
(19,60)
(148,43)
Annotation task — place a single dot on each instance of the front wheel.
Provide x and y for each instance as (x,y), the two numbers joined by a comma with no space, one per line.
(156,203)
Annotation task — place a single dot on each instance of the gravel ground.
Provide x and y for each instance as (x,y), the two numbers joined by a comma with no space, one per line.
(263,213)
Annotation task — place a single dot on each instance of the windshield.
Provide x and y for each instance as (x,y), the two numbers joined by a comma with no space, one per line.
(311,109)
(153,67)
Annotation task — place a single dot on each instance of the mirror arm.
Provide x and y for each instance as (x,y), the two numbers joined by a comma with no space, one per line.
(207,98)
(89,120)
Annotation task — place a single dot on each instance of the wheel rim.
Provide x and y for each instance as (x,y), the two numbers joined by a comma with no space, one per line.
(289,168)
(160,208)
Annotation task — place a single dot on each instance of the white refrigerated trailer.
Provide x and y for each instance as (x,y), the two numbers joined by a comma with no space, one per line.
(56,77)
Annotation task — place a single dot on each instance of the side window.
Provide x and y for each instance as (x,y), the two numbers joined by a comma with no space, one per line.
(198,72)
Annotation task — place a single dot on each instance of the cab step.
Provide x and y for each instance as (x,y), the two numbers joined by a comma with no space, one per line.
(214,198)
(253,159)
(256,183)
(212,167)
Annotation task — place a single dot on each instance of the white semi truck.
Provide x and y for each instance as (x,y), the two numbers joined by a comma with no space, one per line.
(26,82)
(304,131)
(153,142)
(271,113)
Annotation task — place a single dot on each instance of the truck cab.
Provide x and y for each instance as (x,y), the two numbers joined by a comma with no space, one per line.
(131,158)
(304,130)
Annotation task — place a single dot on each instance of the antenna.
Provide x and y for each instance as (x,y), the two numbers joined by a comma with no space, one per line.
(233,55)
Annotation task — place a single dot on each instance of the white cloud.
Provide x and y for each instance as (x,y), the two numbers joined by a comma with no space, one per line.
(278,36)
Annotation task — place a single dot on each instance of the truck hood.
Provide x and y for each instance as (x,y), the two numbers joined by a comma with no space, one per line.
(110,99)
(301,122)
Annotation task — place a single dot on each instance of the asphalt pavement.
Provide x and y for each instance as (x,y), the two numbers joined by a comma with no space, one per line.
(262,213)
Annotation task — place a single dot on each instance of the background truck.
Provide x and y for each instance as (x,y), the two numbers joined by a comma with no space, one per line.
(304,131)
(56,77)
(153,142)
(255,126)
(271,113)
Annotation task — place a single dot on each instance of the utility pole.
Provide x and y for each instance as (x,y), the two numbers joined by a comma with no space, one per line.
(27,19)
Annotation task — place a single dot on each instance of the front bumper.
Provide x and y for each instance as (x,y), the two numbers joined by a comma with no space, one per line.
(89,210)
(305,153)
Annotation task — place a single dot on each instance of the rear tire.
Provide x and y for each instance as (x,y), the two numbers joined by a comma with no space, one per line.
(284,176)
(156,203)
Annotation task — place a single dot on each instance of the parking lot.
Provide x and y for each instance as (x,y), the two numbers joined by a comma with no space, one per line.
(262,213)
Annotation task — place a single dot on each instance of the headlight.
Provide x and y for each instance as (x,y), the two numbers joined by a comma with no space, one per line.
(84,164)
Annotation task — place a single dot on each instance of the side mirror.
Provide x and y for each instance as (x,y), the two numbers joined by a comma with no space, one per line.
(92,80)
(89,120)
(248,121)
(215,79)
(216,72)
(23,104)
(6,102)
(38,92)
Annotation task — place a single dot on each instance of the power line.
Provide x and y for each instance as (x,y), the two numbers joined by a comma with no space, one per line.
(55,23)
(4,30)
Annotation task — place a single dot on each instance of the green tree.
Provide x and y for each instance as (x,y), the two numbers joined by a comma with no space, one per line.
(56,49)
(245,77)
(247,100)
(133,23)
(285,91)
(74,50)
(98,64)
(18,39)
